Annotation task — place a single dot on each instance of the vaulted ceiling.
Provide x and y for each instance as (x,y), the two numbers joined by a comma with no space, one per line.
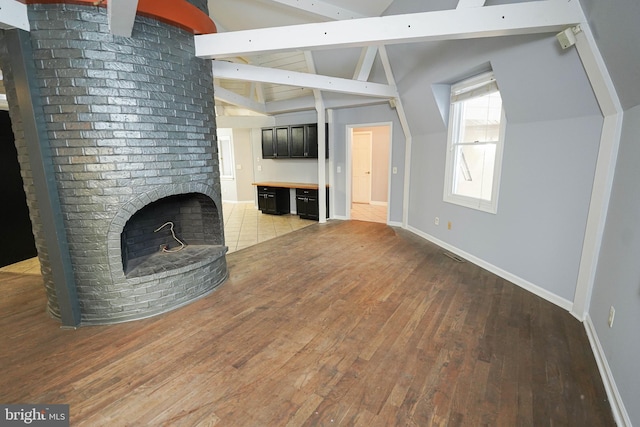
(290,65)
(239,15)
(270,55)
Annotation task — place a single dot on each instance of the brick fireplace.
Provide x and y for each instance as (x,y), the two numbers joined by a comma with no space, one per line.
(128,137)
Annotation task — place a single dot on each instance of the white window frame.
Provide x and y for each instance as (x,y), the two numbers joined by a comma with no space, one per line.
(469,88)
(222,140)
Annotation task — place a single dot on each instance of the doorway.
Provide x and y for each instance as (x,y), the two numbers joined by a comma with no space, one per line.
(16,233)
(369,150)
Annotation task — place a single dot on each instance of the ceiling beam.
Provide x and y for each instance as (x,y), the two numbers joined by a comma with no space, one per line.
(228,70)
(469,3)
(489,21)
(307,103)
(13,14)
(311,66)
(258,91)
(365,64)
(301,103)
(121,14)
(233,98)
(322,8)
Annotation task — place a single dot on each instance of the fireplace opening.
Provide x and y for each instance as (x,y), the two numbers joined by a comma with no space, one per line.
(171,233)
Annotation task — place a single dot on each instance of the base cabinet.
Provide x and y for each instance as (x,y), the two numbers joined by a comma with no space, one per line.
(273,200)
(307,203)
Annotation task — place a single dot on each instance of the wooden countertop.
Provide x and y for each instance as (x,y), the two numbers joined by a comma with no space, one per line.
(287,185)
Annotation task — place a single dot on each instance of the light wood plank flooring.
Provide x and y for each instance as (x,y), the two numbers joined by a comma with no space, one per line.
(344,323)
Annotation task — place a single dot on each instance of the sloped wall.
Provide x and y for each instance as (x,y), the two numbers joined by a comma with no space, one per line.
(552,140)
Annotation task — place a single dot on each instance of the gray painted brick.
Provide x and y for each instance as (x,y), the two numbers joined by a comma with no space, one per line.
(114,106)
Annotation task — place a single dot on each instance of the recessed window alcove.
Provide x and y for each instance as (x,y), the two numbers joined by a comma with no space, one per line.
(171,233)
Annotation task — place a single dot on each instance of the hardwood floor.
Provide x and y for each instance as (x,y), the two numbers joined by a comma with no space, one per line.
(345,323)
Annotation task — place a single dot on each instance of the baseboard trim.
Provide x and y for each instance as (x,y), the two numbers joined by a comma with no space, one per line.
(615,400)
(535,289)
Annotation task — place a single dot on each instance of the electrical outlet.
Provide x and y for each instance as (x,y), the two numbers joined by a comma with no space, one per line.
(612,315)
(395,170)
(449,225)
(436,221)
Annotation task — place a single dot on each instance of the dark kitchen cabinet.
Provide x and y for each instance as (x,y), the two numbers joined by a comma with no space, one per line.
(304,141)
(307,203)
(295,141)
(282,141)
(275,142)
(268,150)
(273,200)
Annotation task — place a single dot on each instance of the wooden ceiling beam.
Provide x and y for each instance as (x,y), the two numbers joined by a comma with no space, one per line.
(233,98)
(469,3)
(13,14)
(233,71)
(465,23)
(365,63)
(121,14)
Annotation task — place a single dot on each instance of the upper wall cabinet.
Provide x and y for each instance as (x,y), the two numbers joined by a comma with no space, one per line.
(304,141)
(282,141)
(275,142)
(268,138)
(295,141)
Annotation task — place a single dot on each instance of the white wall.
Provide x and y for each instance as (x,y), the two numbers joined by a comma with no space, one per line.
(380,144)
(228,186)
(359,116)
(239,189)
(551,146)
(243,157)
(538,230)
(617,281)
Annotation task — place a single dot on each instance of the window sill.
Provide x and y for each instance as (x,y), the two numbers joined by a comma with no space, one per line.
(468,202)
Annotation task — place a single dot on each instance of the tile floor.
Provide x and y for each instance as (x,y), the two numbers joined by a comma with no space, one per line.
(244,225)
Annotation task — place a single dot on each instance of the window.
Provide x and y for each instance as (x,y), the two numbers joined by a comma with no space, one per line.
(225,154)
(474,148)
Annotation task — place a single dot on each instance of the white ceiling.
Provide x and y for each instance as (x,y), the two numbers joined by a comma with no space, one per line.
(263,35)
(235,15)
(238,15)
(312,70)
